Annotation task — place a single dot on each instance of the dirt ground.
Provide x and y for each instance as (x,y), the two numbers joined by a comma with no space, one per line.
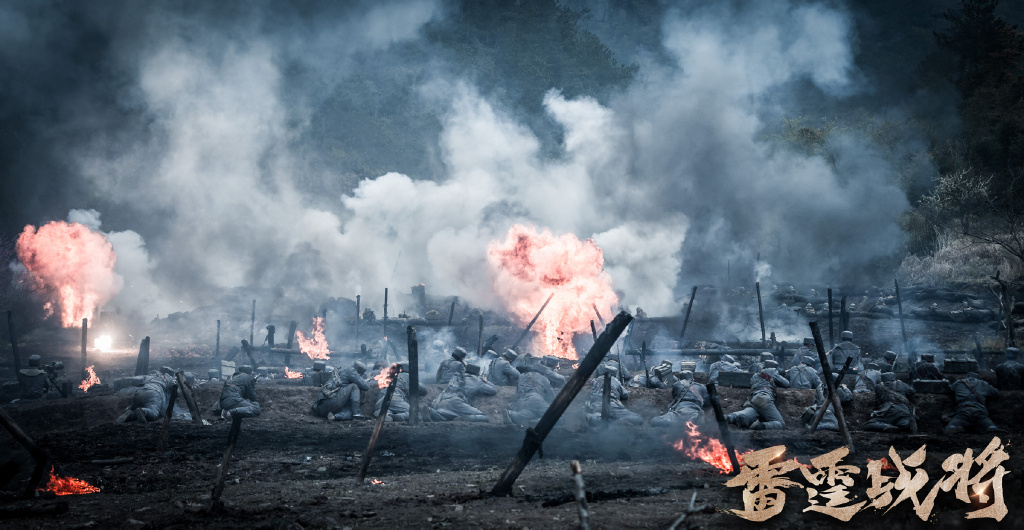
(293,470)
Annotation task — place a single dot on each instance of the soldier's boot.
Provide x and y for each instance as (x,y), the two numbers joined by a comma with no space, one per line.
(343,415)
(757,426)
(140,416)
(356,413)
(123,417)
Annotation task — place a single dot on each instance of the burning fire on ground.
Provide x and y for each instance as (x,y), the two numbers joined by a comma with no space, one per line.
(385,377)
(68,485)
(73,265)
(315,346)
(292,374)
(528,266)
(700,447)
(90,381)
(376,481)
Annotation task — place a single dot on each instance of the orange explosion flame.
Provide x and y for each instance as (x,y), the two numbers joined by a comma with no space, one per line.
(528,266)
(316,346)
(90,381)
(68,485)
(385,377)
(291,374)
(73,265)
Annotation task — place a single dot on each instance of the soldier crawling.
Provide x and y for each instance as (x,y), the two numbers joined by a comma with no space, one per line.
(759,411)
(238,397)
(340,398)
(149,402)
(970,414)
(689,399)
(893,413)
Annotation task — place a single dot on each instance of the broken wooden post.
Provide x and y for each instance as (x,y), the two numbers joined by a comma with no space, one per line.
(593,329)
(368,455)
(599,319)
(414,375)
(827,371)
(37,453)
(358,316)
(843,321)
(723,427)
(643,359)
(222,468)
(85,341)
(530,325)
(271,330)
(686,319)
(451,312)
(385,305)
(899,305)
(480,337)
(142,362)
(535,436)
(292,326)
(982,365)
(14,342)
(813,426)
(247,348)
(167,418)
(252,323)
(581,494)
(606,399)
(186,392)
(760,311)
(831,333)
(216,351)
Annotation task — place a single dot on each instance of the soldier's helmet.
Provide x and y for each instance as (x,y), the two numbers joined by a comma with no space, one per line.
(767,356)
(808,341)
(686,375)
(459,353)
(245,369)
(34,361)
(927,357)
(1012,353)
(438,344)
(770,364)
(873,365)
(510,355)
(728,358)
(608,368)
(846,335)
(889,356)
(360,367)
(472,369)
(550,361)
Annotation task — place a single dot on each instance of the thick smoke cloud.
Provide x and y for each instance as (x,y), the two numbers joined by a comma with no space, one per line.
(201,153)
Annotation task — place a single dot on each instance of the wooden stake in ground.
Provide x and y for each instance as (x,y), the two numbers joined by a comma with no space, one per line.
(691,509)
(480,337)
(723,427)
(167,418)
(222,469)
(899,305)
(252,323)
(760,311)
(581,494)
(358,316)
(14,342)
(414,375)
(85,341)
(828,398)
(593,329)
(843,321)
(831,333)
(686,319)
(37,453)
(606,399)
(535,436)
(186,392)
(368,455)
(142,361)
(451,312)
(827,370)
(216,351)
(530,325)
(599,319)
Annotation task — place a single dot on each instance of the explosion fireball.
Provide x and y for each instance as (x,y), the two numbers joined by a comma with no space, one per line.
(73,265)
(529,265)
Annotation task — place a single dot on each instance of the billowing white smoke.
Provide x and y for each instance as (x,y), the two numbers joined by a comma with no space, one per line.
(676,158)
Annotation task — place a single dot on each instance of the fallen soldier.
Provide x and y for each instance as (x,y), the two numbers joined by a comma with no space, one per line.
(238,398)
(689,399)
(533,396)
(894,412)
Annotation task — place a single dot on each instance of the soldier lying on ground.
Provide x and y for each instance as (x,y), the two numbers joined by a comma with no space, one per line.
(689,399)
(868,378)
(759,411)
(533,396)
(238,397)
(341,398)
(617,411)
(1008,372)
(453,402)
(149,402)
(971,415)
(893,412)
(828,419)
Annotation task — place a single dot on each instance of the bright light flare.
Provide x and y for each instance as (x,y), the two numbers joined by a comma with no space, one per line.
(73,266)
(315,346)
(528,266)
(68,485)
(385,377)
(90,381)
(292,374)
(376,481)
(103,343)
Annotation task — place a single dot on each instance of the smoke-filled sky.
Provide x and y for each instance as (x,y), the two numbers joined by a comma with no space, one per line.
(187,132)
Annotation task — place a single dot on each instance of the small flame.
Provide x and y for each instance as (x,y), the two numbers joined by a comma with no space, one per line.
(575,365)
(700,447)
(291,374)
(90,381)
(103,343)
(68,485)
(316,346)
(385,377)
(376,481)
(886,464)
